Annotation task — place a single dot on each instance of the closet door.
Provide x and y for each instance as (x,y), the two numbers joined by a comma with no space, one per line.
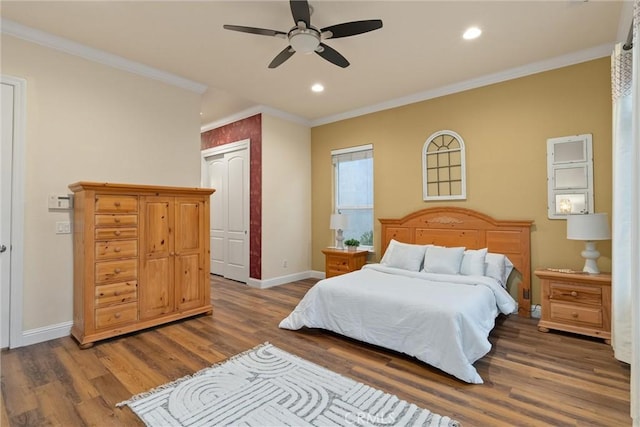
(229,175)
(157,295)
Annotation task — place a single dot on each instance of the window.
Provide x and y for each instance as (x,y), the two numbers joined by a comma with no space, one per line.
(353,191)
(443,167)
(569,176)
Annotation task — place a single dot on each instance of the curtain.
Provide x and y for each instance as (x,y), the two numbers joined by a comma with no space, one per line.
(625,298)
(623,159)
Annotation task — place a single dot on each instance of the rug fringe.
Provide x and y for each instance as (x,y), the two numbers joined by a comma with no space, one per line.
(187,377)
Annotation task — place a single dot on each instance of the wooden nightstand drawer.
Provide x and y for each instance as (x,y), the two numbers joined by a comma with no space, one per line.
(576,314)
(575,293)
(338,264)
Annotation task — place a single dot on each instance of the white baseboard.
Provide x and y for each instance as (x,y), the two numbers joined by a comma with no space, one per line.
(46,333)
(60,330)
(282,280)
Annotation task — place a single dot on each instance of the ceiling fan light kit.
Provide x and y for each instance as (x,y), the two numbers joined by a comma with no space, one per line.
(305,38)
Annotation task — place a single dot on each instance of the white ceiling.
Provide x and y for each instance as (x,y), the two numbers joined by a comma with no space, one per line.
(419,53)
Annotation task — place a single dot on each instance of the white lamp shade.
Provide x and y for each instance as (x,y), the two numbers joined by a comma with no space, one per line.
(338,222)
(588,227)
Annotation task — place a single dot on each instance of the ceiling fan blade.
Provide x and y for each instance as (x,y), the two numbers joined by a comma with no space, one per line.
(333,56)
(285,54)
(353,28)
(253,30)
(300,11)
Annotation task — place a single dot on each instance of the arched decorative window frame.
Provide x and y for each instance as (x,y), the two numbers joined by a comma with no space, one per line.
(463,174)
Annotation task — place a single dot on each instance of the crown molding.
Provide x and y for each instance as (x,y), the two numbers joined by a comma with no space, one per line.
(510,74)
(252,111)
(51,41)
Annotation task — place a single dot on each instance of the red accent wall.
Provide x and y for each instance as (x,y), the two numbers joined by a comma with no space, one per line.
(249,128)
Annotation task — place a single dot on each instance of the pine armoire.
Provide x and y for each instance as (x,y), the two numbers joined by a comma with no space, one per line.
(141,257)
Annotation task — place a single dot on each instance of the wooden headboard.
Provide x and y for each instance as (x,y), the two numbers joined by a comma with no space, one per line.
(449,226)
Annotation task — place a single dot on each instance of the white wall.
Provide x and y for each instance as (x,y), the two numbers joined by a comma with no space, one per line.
(90,122)
(286,197)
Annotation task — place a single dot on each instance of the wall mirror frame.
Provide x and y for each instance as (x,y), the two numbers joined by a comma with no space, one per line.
(569,176)
(443,167)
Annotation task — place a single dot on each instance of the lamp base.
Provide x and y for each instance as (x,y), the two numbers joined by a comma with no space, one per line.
(339,239)
(591,255)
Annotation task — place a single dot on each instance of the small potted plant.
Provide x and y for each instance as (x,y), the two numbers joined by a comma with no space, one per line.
(352,244)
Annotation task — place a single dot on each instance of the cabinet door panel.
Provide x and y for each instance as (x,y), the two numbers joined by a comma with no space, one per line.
(188,288)
(157,227)
(188,225)
(156,296)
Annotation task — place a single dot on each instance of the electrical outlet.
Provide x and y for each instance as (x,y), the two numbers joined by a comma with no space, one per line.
(63,227)
(284,263)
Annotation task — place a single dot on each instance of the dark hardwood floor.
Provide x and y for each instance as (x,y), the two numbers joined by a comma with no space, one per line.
(531,378)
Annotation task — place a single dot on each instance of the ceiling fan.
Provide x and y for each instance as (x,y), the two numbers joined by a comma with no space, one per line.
(305,38)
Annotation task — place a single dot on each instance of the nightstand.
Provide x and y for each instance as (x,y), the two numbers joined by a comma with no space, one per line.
(576,302)
(338,261)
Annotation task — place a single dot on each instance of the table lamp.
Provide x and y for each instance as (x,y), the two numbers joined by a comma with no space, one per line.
(589,227)
(339,222)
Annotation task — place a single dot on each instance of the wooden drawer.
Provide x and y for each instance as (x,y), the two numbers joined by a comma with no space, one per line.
(116,233)
(576,314)
(116,293)
(116,203)
(116,249)
(108,317)
(559,291)
(116,220)
(338,264)
(121,270)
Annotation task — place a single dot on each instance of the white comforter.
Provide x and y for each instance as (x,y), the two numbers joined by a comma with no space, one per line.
(441,319)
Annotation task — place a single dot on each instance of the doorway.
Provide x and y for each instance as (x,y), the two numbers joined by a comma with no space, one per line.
(227,171)
(11,210)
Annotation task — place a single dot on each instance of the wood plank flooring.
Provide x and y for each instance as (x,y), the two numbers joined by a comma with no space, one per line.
(531,378)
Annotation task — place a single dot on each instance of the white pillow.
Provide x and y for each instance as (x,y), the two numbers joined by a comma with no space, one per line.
(499,267)
(473,262)
(439,259)
(403,255)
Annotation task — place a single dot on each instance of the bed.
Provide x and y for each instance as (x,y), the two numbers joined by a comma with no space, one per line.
(445,275)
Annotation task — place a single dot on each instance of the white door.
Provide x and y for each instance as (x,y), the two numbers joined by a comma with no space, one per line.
(229,175)
(6,150)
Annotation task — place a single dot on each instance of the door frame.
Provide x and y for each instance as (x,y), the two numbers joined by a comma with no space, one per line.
(16,204)
(244,144)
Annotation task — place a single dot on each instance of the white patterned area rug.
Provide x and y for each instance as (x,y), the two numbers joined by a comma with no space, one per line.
(267,386)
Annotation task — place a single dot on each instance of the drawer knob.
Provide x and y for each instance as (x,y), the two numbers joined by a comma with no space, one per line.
(117,204)
(116,293)
(116,220)
(117,249)
(117,232)
(117,270)
(117,315)
(574,315)
(574,294)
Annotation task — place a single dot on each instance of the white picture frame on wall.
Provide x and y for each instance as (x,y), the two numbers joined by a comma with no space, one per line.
(569,176)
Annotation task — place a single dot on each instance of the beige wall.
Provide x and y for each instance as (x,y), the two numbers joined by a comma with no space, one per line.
(89,122)
(286,197)
(505,127)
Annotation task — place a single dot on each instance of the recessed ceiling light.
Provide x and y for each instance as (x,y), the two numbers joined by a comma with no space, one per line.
(317,87)
(472,33)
